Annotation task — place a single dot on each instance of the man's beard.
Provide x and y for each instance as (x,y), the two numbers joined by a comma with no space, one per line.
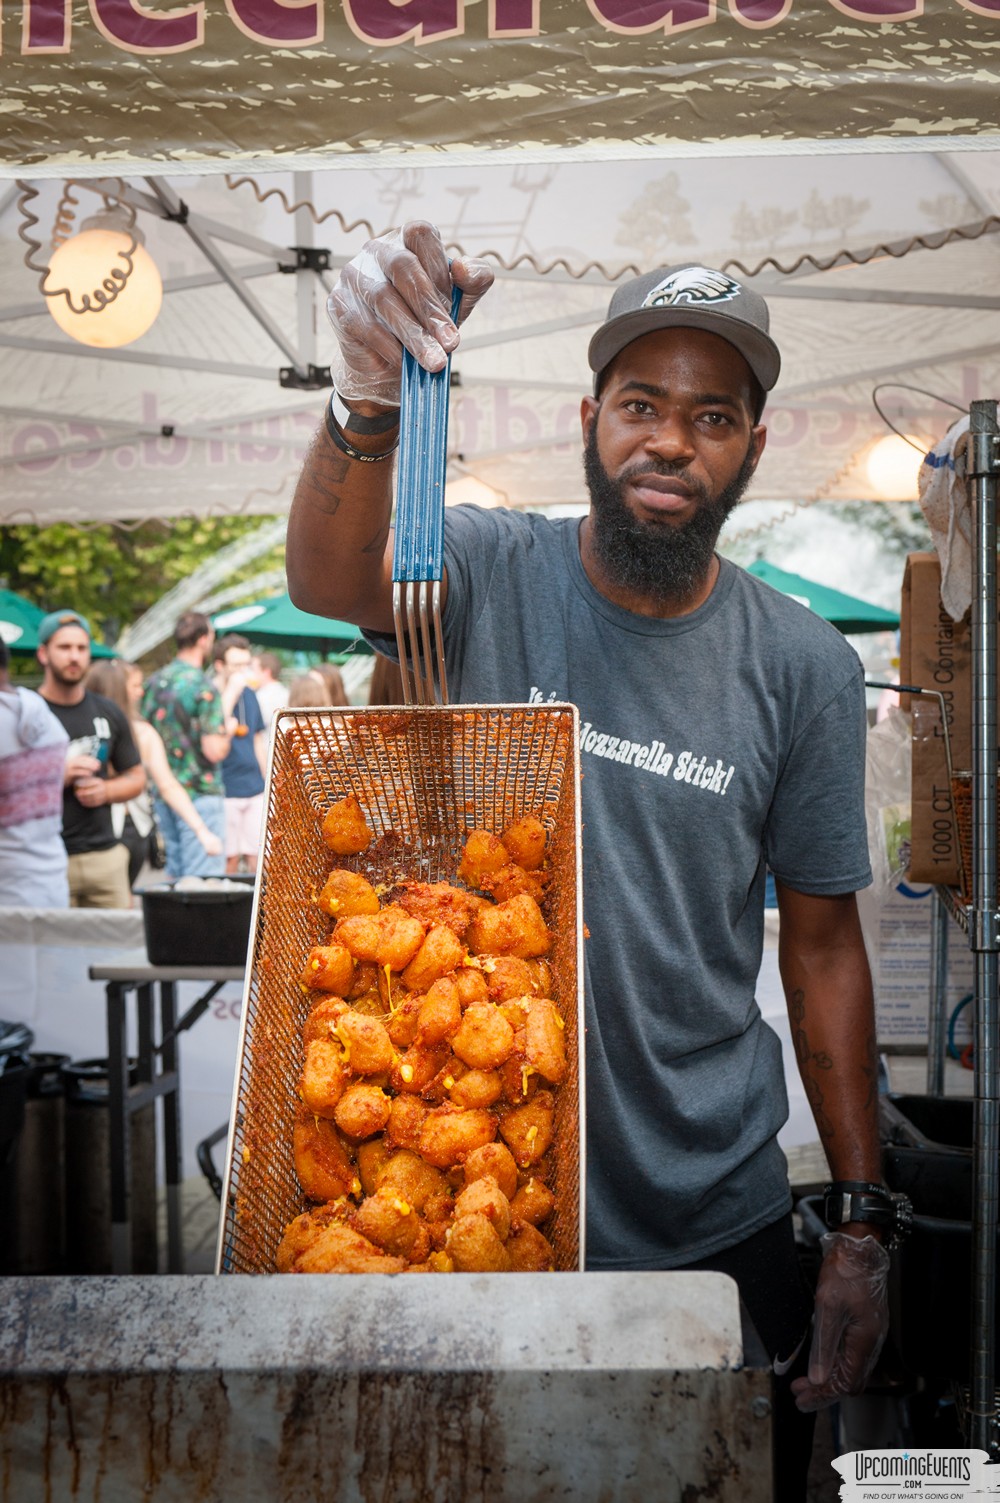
(664,562)
(68,678)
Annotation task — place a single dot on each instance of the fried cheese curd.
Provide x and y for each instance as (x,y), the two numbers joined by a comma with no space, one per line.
(345,829)
(390,937)
(346,894)
(431,1051)
(514,927)
(329,968)
(510,865)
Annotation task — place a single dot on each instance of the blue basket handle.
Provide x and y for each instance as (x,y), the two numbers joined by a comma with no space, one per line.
(418,552)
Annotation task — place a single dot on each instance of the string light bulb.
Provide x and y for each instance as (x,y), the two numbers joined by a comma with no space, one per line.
(114,289)
(893,465)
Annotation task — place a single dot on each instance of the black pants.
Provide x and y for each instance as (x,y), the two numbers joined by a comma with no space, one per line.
(779,1302)
(137,846)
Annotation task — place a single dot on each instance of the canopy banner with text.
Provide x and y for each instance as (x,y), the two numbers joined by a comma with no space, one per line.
(95,84)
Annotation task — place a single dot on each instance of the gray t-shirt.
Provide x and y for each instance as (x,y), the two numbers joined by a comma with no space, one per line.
(711,744)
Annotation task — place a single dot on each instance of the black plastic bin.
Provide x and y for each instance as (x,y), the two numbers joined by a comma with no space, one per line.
(927,1154)
(40,1221)
(15,1044)
(941,1121)
(88,1173)
(207,926)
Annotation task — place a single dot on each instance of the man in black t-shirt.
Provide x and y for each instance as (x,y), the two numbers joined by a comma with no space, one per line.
(102,765)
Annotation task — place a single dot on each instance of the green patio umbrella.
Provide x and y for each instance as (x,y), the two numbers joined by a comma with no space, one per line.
(846,612)
(276,622)
(19,622)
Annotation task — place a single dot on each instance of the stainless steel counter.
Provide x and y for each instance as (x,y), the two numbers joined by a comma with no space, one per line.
(450,1389)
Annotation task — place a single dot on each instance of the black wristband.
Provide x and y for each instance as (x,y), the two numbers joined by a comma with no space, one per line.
(862,1202)
(857,1187)
(348,448)
(352,422)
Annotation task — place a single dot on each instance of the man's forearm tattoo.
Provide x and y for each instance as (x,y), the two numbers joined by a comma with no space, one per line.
(378,542)
(318,485)
(810,1061)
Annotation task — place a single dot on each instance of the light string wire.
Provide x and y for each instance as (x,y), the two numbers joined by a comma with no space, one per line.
(116,280)
(921,391)
(896,250)
(222,511)
(824,491)
(934,241)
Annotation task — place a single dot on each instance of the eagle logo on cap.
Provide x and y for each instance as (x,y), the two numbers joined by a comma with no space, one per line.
(693,284)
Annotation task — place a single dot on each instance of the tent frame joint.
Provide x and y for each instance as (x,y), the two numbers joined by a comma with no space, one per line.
(178,215)
(307,258)
(312,378)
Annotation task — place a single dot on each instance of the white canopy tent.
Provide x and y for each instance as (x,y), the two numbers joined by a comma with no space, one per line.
(880,267)
(193,418)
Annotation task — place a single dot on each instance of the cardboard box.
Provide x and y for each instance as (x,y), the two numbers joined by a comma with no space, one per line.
(935,653)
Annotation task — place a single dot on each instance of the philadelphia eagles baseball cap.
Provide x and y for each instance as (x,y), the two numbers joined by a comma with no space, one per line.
(50,624)
(692,297)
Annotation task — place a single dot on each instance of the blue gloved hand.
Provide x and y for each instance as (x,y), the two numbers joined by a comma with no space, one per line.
(850,1322)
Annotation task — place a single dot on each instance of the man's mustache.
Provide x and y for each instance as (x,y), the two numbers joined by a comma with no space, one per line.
(667,469)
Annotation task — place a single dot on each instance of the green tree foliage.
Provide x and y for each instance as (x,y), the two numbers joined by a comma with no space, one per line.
(900,525)
(113,576)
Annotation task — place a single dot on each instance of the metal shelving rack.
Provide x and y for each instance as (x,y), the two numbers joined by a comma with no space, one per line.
(980,922)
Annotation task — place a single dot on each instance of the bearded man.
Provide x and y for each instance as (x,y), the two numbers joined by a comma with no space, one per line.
(102,764)
(722,732)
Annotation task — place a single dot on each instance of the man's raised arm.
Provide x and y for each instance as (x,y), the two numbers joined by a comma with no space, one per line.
(396,292)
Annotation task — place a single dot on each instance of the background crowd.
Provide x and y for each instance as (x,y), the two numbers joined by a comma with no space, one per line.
(105,775)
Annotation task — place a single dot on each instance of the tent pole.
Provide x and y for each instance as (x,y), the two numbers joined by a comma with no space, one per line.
(230,274)
(305,278)
(984,926)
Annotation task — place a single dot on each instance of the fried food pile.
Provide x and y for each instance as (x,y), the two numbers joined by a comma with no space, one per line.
(432,1053)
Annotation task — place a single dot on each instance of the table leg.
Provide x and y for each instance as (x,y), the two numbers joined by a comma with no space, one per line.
(118,1113)
(145,1048)
(170,1064)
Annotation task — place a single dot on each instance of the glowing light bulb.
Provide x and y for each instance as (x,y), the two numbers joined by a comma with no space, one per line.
(893,465)
(84,264)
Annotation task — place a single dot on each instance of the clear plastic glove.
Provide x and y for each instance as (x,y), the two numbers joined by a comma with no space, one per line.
(850,1323)
(396,292)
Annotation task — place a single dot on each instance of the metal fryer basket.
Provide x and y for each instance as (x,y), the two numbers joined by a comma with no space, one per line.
(425,776)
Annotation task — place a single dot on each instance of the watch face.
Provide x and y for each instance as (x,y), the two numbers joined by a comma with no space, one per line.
(832,1208)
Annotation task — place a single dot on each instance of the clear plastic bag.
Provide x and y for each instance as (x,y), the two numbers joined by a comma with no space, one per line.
(887,800)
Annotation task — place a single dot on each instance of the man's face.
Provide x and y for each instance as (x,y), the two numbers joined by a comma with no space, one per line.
(236,660)
(670,448)
(66,655)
